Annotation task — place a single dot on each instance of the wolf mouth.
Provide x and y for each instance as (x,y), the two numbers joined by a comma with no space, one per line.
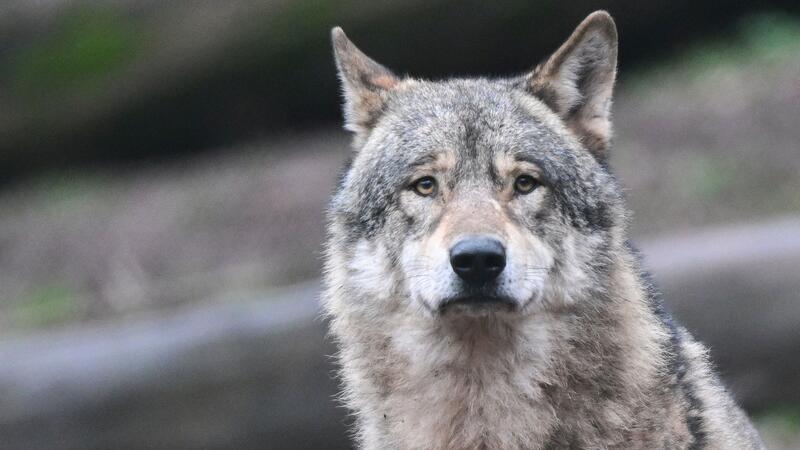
(478,301)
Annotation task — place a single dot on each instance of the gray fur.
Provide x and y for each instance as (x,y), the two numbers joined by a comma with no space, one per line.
(585,356)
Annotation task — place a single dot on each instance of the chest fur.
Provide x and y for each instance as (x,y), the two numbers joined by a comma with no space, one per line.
(481,387)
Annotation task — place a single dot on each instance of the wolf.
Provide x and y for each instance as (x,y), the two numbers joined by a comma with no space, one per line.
(478,278)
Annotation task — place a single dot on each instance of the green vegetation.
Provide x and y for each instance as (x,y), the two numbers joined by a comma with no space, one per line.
(771,36)
(89,45)
(764,38)
(62,190)
(47,305)
(706,177)
(781,416)
(779,425)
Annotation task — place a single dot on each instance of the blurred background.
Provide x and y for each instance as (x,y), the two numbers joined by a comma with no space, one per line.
(165,165)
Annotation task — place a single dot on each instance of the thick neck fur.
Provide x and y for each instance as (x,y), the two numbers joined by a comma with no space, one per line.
(583,376)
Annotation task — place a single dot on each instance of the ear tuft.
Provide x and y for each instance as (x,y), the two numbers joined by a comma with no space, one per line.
(577,81)
(365,84)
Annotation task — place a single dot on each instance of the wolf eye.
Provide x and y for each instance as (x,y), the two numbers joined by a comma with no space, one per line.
(525,184)
(425,186)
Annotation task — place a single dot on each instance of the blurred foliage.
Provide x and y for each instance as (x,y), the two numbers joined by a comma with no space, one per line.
(787,416)
(766,37)
(705,177)
(313,15)
(46,305)
(772,34)
(110,81)
(780,426)
(63,191)
(88,44)
(727,101)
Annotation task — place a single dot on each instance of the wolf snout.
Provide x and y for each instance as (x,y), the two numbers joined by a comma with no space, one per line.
(478,259)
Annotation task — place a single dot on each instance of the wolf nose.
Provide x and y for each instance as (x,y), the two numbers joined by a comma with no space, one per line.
(478,260)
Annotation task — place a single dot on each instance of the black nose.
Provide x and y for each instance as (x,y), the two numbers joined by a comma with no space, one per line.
(478,260)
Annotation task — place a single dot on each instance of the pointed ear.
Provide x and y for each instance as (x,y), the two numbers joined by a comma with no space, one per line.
(578,79)
(365,84)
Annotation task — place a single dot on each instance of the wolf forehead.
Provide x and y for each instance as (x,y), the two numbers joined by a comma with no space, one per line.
(472,124)
(474,119)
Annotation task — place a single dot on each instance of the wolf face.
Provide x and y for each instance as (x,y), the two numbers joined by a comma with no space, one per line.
(478,196)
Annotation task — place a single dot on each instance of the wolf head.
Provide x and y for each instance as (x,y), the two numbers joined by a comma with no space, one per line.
(477,196)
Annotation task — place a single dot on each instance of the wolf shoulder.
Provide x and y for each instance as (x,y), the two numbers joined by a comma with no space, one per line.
(721,423)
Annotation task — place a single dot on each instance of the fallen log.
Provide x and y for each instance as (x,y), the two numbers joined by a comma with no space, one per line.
(738,290)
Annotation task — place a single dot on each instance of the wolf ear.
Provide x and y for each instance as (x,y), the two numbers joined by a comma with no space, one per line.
(578,79)
(365,84)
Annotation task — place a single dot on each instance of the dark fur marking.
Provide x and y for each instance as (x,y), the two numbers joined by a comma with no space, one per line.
(494,176)
(348,163)
(374,115)
(677,362)
(472,135)
(545,176)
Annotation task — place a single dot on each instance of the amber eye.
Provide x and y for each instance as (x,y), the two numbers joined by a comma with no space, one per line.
(525,184)
(425,186)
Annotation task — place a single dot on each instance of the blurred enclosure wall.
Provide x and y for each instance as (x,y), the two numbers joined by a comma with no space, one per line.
(164,169)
